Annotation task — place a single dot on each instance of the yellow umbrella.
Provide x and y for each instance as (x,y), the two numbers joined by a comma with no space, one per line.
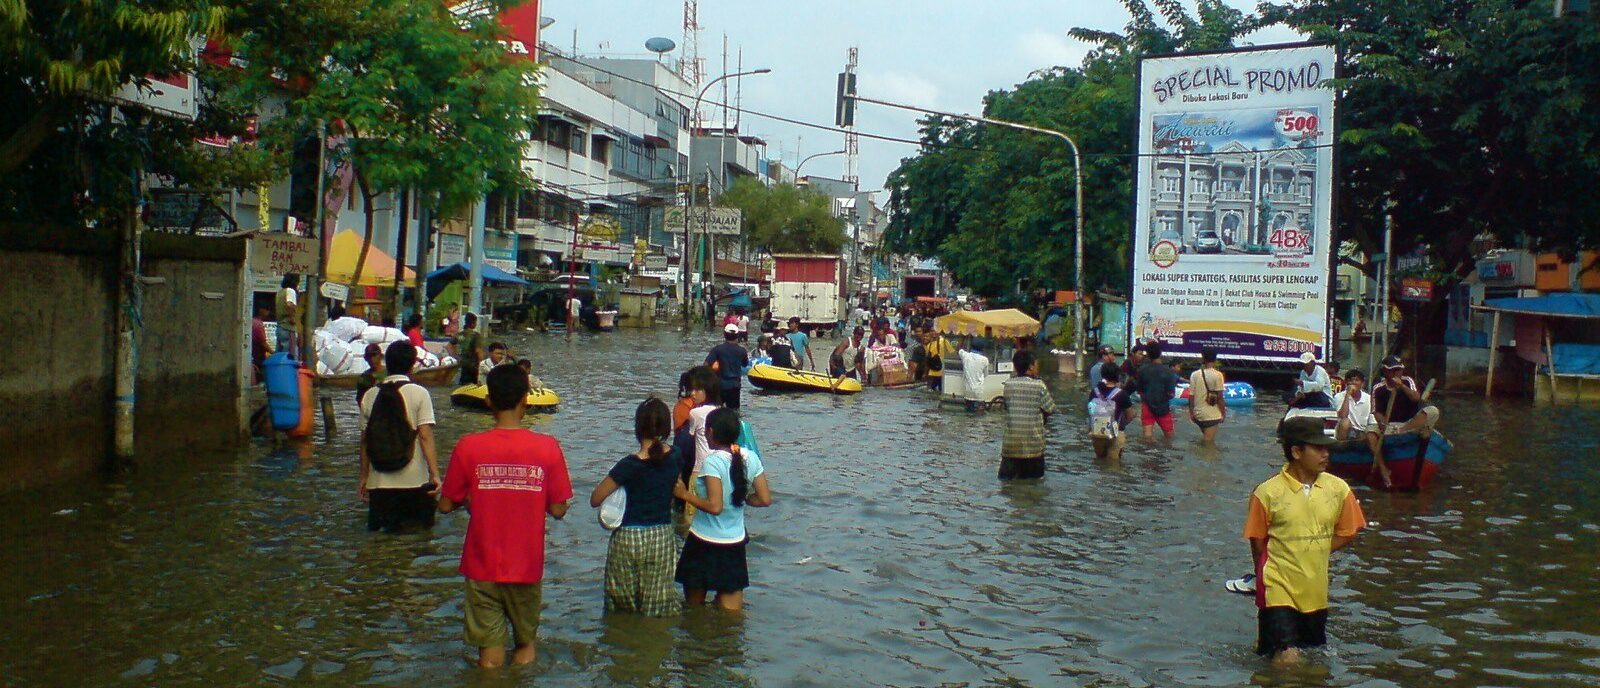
(1008,322)
(378,271)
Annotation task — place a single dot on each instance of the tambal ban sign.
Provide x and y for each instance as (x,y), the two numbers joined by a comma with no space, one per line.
(1414,289)
(282,254)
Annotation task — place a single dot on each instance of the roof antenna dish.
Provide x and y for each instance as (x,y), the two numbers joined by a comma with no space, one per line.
(660,46)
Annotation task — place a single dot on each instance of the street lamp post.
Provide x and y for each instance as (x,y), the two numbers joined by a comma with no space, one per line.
(811,157)
(683,263)
(1077,173)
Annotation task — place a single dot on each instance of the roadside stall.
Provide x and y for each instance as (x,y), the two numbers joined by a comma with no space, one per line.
(1560,334)
(1001,327)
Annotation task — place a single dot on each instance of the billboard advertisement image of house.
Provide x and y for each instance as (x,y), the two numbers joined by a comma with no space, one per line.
(1232,236)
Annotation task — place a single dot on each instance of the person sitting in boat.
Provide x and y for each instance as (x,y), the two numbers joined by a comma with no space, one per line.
(847,358)
(1357,422)
(762,354)
(1313,385)
(533,380)
(781,351)
(498,353)
(1399,405)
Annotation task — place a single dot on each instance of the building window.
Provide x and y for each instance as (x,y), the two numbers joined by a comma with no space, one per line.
(1169,183)
(600,149)
(576,141)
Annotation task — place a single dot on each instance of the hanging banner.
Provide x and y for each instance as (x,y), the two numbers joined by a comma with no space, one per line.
(1232,236)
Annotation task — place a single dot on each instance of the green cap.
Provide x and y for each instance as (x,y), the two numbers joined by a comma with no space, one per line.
(1303,430)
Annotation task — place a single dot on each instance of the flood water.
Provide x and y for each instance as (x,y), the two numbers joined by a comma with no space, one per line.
(892,557)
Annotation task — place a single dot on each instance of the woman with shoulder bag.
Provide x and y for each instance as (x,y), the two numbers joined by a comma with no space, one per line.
(1206,408)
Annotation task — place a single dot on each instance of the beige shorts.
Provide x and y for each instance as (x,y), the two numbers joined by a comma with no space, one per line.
(1431,413)
(491,607)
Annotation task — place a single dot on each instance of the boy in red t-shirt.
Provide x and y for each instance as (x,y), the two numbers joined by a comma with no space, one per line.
(508,478)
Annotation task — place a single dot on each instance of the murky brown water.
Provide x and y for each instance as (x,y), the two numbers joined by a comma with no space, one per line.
(893,557)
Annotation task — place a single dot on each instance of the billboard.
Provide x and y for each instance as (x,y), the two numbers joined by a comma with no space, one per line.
(1233,227)
(717,221)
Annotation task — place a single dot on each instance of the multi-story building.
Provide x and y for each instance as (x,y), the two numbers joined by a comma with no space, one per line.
(1234,195)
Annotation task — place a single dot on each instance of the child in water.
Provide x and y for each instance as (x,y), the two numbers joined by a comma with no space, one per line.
(644,550)
(714,551)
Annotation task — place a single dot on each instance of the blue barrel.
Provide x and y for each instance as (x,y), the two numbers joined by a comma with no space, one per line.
(283,391)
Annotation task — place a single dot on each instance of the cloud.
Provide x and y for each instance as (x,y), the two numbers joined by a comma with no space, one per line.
(1043,49)
(898,87)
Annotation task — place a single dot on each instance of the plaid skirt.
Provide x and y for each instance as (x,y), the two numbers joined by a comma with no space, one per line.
(639,571)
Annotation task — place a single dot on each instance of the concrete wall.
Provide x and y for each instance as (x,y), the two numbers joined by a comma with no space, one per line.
(58,313)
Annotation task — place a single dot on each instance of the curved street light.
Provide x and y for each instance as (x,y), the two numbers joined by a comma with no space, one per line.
(683,264)
(809,158)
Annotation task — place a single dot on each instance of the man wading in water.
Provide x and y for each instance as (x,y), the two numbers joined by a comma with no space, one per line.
(1296,519)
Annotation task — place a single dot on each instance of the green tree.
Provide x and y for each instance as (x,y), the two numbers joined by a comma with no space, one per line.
(1461,117)
(784,218)
(64,151)
(996,205)
(429,101)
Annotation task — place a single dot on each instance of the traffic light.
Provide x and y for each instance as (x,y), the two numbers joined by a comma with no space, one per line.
(844,106)
(1571,8)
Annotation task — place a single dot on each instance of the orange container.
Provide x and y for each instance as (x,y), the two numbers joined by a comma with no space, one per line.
(1589,278)
(308,414)
(1551,273)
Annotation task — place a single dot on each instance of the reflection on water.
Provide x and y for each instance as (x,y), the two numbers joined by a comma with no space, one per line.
(893,557)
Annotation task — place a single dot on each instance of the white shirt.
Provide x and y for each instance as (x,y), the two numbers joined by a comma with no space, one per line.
(974,367)
(697,427)
(1360,415)
(574,306)
(1315,381)
(487,365)
(419,410)
(743,323)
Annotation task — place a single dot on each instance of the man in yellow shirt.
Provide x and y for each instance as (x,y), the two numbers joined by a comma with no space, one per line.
(1296,519)
(935,347)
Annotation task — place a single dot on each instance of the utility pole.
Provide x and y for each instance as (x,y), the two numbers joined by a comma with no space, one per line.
(308,342)
(128,317)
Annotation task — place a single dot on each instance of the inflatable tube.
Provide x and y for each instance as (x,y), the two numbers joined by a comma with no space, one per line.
(789,380)
(540,400)
(1233,394)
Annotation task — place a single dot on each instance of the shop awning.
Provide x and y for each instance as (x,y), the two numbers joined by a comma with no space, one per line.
(1008,322)
(378,271)
(607,134)
(1559,305)
(460,271)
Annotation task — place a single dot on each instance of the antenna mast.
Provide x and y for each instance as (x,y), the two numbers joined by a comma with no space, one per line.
(690,67)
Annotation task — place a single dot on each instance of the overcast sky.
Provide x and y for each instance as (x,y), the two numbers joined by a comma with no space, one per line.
(936,53)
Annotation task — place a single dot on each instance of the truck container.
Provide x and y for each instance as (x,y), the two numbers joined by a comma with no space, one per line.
(809,287)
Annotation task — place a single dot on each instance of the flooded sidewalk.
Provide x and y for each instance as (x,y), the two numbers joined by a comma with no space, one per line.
(892,556)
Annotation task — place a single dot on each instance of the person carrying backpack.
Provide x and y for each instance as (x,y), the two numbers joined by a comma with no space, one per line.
(399,466)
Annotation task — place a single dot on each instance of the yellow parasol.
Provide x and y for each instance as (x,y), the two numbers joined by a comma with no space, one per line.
(1008,322)
(378,271)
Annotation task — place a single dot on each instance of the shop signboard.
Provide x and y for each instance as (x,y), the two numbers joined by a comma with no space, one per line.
(1234,200)
(335,291)
(719,221)
(503,258)
(274,253)
(655,263)
(452,249)
(1416,289)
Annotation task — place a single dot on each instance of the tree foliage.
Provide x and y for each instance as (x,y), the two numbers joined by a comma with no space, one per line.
(429,101)
(785,218)
(996,206)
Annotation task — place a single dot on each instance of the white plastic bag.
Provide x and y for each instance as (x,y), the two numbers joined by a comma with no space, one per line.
(612,508)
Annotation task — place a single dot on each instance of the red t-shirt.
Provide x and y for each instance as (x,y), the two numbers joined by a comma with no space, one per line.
(506,478)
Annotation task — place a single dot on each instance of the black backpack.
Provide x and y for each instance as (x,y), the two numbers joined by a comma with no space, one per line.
(389,436)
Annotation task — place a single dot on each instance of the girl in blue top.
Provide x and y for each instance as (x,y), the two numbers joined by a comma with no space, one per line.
(639,561)
(714,551)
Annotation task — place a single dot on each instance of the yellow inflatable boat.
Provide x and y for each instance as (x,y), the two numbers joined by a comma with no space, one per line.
(790,380)
(540,400)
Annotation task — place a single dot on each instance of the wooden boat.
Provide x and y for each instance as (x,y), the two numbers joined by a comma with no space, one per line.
(540,400)
(1413,462)
(789,380)
(437,376)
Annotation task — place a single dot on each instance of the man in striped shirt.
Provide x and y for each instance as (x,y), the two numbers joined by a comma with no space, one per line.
(1028,404)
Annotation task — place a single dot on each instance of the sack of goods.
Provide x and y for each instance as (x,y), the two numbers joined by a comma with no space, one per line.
(427,359)
(382,335)
(347,328)
(333,353)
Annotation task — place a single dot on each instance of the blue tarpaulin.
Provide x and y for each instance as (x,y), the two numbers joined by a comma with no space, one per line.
(1559,305)
(460,271)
